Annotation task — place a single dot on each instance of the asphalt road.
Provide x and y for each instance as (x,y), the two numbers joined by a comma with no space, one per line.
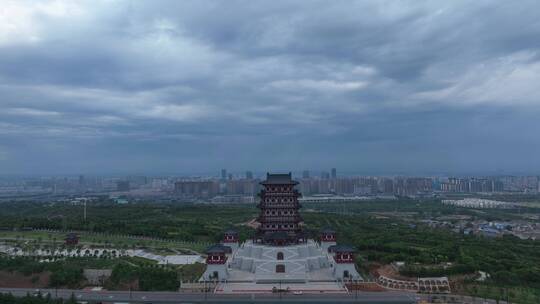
(387,297)
(176,297)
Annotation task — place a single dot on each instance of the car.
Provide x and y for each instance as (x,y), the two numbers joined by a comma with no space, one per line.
(297,292)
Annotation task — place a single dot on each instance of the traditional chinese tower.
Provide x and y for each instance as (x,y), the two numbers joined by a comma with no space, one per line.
(279,218)
(216,262)
(72,239)
(328,238)
(230,238)
(344,268)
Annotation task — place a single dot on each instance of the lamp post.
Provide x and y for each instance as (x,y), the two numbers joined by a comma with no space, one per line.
(356,291)
(180,281)
(205,291)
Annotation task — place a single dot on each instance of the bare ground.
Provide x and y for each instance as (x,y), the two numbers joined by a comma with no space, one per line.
(19,280)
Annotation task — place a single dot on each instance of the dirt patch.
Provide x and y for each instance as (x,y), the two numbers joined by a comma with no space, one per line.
(252,224)
(390,272)
(19,280)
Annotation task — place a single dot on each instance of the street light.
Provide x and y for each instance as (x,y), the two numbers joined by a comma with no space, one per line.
(205,291)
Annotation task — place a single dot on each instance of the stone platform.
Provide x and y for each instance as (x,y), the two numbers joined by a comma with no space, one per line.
(311,287)
(258,268)
(293,263)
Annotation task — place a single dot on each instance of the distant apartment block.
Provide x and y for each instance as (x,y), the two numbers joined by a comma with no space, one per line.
(122,186)
(197,188)
(471,185)
(207,189)
(366,185)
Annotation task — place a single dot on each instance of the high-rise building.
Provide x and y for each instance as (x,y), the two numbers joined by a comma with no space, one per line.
(223,174)
(249,175)
(137,180)
(122,186)
(334,173)
(385,185)
(455,185)
(498,186)
(305,174)
(196,188)
(241,187)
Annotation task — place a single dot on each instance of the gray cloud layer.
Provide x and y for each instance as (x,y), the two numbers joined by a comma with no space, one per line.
(193,86)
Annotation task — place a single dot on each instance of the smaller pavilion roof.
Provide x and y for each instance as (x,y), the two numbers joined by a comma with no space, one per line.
(218,248)
(230,231)
(341,248)
(328,230)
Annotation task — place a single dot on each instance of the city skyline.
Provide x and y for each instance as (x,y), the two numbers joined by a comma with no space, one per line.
(297,172)
(241,188)
(167,87)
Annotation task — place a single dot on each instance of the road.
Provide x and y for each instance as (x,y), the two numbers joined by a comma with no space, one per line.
(387,297)
(175,297)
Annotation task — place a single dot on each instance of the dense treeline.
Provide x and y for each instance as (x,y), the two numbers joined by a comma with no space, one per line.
(509,260)
(126,272)
(147,278)
(186,222)
(191,222)
(65,273)
(421,209)
(38,299)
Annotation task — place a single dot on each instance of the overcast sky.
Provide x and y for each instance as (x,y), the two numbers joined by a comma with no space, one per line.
(372,87)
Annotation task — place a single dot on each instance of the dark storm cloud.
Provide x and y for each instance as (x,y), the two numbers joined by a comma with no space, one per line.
(185,86)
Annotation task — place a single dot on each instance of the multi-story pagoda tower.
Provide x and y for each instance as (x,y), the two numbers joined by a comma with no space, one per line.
(279,218)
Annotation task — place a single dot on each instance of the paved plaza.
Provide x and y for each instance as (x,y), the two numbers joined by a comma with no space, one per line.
(311,287)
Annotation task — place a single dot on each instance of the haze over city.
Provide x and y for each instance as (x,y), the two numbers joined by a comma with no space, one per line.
(408,87)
